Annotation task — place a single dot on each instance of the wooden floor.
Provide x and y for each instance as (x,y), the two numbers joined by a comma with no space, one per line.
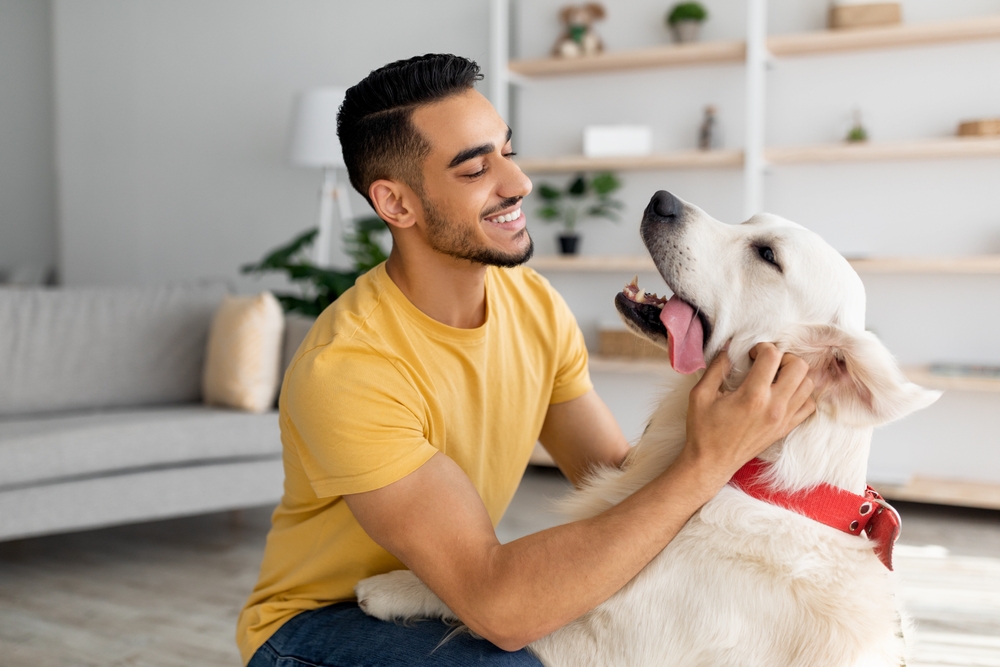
(167,593)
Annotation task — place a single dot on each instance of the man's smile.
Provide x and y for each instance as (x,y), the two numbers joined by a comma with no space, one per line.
(512,221)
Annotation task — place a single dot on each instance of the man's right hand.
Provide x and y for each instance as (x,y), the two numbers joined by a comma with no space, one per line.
(727,429)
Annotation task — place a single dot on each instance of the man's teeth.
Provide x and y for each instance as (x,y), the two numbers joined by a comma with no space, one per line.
(510,217)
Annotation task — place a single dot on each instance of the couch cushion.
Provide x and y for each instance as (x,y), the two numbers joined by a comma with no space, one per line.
(71,349)
(244,353)
(84,444)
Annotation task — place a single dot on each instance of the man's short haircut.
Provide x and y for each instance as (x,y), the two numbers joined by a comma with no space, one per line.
(374,124)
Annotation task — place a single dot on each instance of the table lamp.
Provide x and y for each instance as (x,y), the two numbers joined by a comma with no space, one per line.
(314,144)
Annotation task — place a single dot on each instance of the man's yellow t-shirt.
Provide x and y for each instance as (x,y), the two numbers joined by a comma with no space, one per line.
(376,389)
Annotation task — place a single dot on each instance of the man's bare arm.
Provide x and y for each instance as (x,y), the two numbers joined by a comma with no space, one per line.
(583,434)
(434,521)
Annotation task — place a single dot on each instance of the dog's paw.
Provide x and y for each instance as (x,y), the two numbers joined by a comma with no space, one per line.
(399,595)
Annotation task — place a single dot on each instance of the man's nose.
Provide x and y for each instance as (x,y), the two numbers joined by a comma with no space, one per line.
(514,183)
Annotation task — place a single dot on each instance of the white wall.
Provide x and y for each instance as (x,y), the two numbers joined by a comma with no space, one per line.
(27,168)
(172,121)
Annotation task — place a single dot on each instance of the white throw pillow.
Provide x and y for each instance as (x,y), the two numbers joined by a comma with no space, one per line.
(244,353)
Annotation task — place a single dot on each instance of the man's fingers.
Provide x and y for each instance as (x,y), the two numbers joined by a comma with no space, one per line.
(803,412)
(716,372)
(801,395)
(766,361)
(791,373)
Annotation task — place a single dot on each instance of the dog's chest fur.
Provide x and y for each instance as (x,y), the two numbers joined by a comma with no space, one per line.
(743,583)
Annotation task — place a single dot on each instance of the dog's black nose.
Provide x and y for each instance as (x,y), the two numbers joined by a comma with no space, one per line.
(664,207)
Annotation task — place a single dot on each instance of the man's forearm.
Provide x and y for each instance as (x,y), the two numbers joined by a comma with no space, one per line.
(543,581)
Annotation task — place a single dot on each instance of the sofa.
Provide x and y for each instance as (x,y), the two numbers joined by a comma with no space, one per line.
(101,413)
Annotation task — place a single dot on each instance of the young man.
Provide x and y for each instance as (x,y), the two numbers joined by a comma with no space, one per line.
(410,410)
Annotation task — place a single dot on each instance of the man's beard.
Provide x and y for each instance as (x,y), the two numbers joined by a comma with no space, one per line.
(461,242)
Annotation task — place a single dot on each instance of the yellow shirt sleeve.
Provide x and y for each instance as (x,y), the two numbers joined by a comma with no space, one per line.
(356,422)
(572,375)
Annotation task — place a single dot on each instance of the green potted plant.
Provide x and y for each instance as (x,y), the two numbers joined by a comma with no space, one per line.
(321,286)
(857,134)
(685,19)
(581,198)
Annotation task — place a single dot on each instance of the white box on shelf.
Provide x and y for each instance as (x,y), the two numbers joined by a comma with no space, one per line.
(617,140)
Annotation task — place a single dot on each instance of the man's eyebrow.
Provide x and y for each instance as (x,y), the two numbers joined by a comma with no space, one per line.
(476,151)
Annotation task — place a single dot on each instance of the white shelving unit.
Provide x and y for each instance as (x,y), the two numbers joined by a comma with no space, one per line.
(756,53)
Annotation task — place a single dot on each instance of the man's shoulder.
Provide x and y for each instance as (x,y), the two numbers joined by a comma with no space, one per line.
(350,328)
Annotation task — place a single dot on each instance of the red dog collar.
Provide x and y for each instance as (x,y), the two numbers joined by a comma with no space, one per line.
(829,505)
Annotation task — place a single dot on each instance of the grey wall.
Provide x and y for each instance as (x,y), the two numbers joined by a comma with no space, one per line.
(27,172)
(173,115)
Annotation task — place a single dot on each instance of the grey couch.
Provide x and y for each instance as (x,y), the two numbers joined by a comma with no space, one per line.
(101,420)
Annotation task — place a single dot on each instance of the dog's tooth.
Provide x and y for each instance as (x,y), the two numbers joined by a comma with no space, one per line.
(640,297)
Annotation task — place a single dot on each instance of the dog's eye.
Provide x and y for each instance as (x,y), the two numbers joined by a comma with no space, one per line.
(767,255)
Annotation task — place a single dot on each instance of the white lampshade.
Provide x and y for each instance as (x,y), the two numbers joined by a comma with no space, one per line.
(314,140)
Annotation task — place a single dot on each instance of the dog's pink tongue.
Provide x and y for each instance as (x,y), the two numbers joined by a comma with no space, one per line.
(685,337)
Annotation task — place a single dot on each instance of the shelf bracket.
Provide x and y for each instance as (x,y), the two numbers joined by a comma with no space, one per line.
(754,163)
(500,75)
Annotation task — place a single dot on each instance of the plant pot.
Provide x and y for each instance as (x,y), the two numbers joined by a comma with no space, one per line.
(569,244)
(686,31)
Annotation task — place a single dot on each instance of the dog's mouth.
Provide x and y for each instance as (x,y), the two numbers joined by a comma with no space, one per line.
(683,327)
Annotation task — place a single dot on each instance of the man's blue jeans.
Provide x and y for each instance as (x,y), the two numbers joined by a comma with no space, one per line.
(341,635)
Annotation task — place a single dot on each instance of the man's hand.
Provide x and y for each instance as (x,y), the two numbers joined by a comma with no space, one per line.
(727,429)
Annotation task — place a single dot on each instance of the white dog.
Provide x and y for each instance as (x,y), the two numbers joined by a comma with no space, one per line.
(746,582)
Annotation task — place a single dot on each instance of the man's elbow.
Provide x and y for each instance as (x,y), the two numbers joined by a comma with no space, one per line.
(504,637)
(502,628)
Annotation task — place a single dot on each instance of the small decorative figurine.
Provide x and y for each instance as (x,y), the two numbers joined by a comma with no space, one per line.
(706,134)
(857,133)
(579,38)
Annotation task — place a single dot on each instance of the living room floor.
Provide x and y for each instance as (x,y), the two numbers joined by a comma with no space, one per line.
(167,593)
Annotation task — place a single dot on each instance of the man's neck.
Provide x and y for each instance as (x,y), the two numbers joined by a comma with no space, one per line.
(451,291)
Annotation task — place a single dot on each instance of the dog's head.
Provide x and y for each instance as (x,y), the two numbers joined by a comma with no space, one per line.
(767,279)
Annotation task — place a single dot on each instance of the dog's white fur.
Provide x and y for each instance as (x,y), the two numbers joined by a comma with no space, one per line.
(743,583)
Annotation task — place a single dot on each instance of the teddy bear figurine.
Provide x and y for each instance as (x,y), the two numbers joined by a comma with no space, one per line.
(579,38)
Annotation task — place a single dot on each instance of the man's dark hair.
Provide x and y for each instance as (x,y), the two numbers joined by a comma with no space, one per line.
(374,124)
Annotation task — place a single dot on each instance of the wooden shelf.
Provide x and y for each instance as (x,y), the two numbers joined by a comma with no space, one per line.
(676,160)
(931,149)
(658,56)
(928,149)
(595,263)
(943,491)
(922,376)
(601,364)
(797,44)
(898,36)
(976,265)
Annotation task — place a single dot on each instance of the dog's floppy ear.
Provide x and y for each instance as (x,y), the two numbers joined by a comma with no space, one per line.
(856,376)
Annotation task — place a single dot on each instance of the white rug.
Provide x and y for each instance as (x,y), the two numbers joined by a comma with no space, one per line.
(954,602)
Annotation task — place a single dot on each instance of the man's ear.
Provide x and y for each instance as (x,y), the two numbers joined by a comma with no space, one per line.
(394,202)
(856,376)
